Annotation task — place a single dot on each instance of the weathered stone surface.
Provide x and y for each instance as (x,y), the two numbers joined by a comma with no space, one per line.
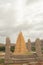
(20,45)
(38,48)
(29,45)
(7,50)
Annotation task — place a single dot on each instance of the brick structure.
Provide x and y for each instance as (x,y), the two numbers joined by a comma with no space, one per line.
(20,47)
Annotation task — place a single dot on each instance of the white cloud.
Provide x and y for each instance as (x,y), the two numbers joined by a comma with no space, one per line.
(21,15)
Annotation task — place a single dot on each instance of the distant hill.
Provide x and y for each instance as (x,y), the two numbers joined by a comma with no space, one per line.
(32,43)
(1,44)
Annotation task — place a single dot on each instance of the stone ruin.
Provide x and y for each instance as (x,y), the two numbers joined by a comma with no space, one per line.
(7,50)
(29,46)
(38,48)
(20,47)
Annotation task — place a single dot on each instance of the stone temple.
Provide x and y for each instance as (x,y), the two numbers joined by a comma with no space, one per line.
(20,47)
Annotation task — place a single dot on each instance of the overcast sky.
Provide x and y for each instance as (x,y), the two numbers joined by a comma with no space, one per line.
(21,15)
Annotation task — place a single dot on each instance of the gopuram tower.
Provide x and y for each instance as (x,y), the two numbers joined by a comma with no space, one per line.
(20,47)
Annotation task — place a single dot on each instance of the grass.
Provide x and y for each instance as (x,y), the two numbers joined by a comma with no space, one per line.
(1,60)
(28,53)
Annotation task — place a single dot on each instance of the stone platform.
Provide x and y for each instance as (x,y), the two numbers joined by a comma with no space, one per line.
(20,59)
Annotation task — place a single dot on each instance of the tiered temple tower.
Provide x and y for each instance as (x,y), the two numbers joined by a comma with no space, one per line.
(20,47)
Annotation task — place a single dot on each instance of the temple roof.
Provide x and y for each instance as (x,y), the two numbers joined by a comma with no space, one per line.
(20,44)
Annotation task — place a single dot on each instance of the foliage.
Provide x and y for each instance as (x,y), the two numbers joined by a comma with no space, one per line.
(2,48)
(33,48)
(12,48)
(1,60)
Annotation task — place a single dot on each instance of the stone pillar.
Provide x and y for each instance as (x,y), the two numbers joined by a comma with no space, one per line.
(7,50)
(38,48)
(29,45)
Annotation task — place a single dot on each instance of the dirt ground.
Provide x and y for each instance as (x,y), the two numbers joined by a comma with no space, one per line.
(24,64)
